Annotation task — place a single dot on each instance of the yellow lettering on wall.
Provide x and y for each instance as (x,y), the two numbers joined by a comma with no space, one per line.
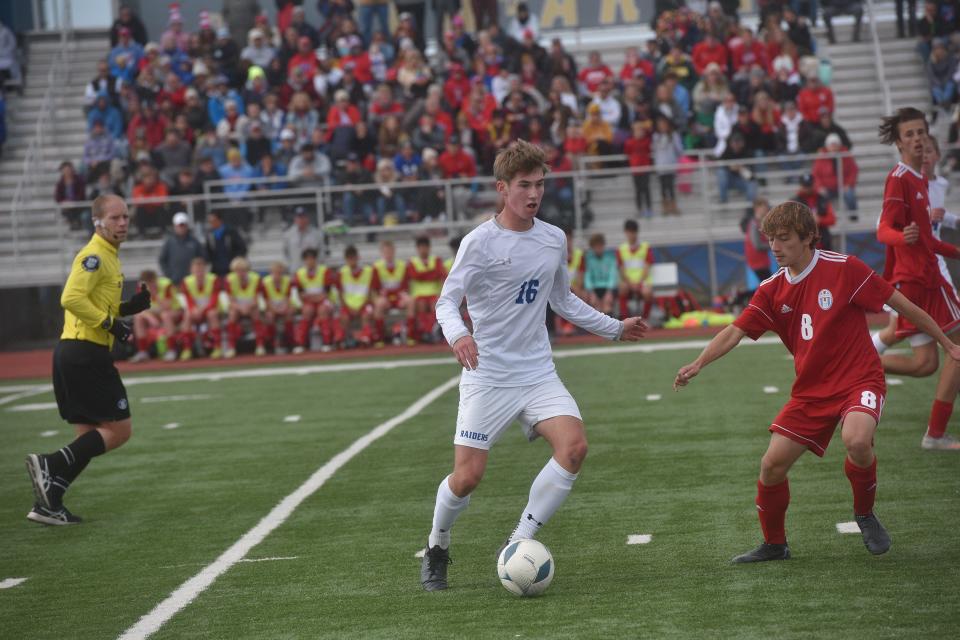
(563,12)
(628,11)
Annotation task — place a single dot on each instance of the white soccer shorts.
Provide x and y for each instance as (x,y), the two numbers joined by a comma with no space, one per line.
(486,411)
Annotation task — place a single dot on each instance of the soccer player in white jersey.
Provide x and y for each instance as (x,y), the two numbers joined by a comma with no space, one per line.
(508,269)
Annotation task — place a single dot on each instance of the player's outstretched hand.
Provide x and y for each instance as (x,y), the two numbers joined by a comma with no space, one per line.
(467,353)
(911,233)
(140,301)
(633,329)
(685,374)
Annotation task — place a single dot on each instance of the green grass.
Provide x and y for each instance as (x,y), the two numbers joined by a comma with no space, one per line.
(682,468)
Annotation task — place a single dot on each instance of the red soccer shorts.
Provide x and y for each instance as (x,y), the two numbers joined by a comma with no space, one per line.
(812,422)
(940,303)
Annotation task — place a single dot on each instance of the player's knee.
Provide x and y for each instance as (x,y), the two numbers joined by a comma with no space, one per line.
(573,454)
(927,366)
(464,481)
(772,470)
(860,449)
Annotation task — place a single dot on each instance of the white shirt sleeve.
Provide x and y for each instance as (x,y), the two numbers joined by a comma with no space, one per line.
(466,267)
(950,220)
(575,310)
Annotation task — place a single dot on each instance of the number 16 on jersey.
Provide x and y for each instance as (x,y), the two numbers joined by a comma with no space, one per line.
(528,292)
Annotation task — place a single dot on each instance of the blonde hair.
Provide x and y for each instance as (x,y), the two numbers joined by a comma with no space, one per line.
(519,157)
(791,216)
(239,264)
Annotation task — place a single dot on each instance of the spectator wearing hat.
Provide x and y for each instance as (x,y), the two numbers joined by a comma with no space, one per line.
(300,236)
(524,20)
(258,50)
(226,54)
(358,204)
(286,149)
(597,131)
(218,96)
(256,87)
(127,19)
(70,188)
(820,205)
(175,31)
(735,175)
(311,167)
(179,248)
(124,58)
(827,174)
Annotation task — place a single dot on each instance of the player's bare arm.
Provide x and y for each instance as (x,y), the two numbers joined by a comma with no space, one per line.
(924,322)
(721,344)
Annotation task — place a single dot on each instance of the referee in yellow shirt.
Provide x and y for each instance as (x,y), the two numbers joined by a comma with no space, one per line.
(90,394)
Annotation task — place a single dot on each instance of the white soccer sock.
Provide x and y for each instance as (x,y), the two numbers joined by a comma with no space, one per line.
(547,493)
(448,507)
(878,344)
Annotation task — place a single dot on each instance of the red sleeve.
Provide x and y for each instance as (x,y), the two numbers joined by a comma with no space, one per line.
(869,291)
(215,294)
(375,282)
(893,216)
(583,263)
(945,249)
(332,279)
(649,256)
(757,317)
(619,259)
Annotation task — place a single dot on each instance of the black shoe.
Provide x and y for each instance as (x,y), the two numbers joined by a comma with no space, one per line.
(875,537)
(505,544)
(58,517)
(41,478)
(433,570)
(763,553)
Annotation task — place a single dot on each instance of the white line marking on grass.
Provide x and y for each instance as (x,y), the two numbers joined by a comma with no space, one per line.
(293,418)
(197,396)
(653,397)
(771,389)
(49,434)
(185,593)
(172,425)
(848,527)
(640,538)
(36,406)
(420,554)
(10,583)
(266,372)
(893,382)
(271,559)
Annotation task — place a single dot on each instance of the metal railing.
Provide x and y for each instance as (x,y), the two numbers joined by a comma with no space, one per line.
(26,189)
(878,59)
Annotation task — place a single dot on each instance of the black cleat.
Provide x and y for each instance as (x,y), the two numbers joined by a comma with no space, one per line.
(433,570)
(58,517)
(763,553)
(505,544)
(41,478)
(875,537)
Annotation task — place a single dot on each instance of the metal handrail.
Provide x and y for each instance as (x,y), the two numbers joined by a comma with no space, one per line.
(32,161)
(878,59)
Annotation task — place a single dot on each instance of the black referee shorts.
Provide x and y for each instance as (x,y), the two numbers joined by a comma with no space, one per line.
(87,384)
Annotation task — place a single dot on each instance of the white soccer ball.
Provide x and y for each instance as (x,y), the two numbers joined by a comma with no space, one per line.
(525,568)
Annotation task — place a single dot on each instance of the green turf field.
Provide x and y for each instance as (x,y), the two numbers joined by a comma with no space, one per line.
(681,468)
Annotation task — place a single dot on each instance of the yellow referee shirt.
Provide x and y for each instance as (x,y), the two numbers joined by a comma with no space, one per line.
(92,293)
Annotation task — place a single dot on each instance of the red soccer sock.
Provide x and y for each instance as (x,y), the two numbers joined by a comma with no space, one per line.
(412,332)
(216,337)
(647,308)
(863,480)
(302,332)
(143,344)
(326,330)
(624,306)
(772,505)
(939,416)
(233,334)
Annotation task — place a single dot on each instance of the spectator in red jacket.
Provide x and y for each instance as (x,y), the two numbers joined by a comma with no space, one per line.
(304,58)
(637,150)
(826,178)
(746,52)
(342,113)
(710,50)
(635,66)
(455,162)
(812,98)
(821,207)
(457,86)
(594,73)
(153,125)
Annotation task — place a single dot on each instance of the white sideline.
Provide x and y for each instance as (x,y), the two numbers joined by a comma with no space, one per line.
(266,372)
(10,583)
(183,595)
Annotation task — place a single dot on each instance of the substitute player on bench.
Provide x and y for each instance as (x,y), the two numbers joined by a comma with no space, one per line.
(89,392)
(509,268)
(817,304)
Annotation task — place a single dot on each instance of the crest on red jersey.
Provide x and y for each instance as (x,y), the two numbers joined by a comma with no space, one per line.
(825,299)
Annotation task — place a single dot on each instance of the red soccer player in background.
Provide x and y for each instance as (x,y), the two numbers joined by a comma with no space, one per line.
(912,267)
(243,290)
(313,282)
(393,285)
(817,304)
(201,289)
(358,286)
(157,324)
(425,274)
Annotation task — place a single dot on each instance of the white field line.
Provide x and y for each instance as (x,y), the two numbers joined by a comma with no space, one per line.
(49,434)
(184,595)
(270,559)
(35,406)
(155,399)
(639,538)
(10,583)
(266,372)
(848,527)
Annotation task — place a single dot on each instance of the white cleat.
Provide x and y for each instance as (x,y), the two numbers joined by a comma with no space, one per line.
(297,350)
(943,443)
(170,356)
(230,353)
(140,356)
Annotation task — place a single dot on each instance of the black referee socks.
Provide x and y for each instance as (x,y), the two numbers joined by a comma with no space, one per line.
(76,454)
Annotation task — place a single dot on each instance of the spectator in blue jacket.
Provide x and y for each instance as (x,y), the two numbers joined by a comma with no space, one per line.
(106,113)
(217,100)
(125,57)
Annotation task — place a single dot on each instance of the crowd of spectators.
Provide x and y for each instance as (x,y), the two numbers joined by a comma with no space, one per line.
(347,102)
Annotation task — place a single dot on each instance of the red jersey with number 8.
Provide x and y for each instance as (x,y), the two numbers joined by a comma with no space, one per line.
(820,315)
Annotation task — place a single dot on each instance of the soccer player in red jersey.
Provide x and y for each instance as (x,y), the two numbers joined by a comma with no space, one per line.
(276,289)
(911,266)
(312,281)
(816,303)
(201,289)
(359,286)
